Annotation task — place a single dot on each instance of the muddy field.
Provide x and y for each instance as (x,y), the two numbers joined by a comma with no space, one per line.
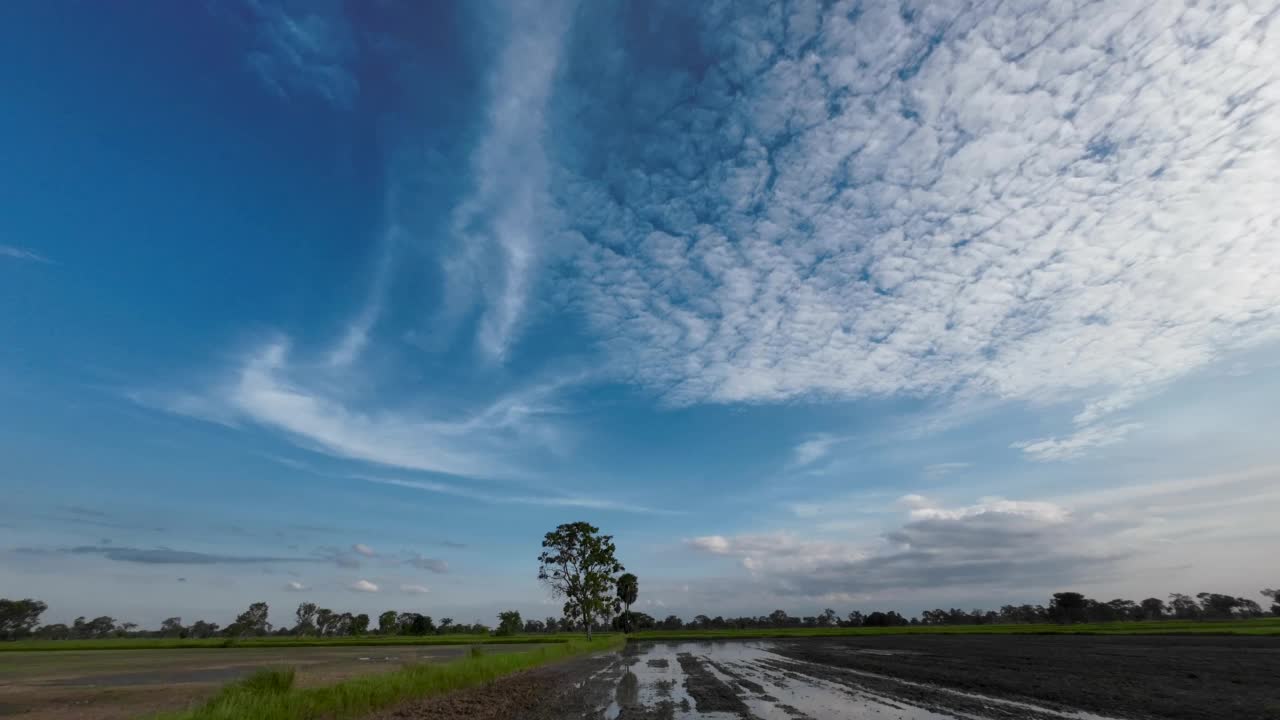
(119,684)
(894,678)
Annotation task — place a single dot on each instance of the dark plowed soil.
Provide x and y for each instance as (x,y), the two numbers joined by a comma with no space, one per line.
(1182,678)
(917,677)
(709,692)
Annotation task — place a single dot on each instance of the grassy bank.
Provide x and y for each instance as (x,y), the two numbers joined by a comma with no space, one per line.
(280,642)
(1262,626)
(269,695)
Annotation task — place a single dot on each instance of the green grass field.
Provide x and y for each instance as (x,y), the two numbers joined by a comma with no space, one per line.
(281,642)
(269,695)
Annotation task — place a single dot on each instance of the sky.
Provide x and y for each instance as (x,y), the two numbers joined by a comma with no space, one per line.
(861,305)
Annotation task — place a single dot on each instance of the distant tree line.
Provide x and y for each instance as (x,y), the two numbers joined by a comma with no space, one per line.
(21,618)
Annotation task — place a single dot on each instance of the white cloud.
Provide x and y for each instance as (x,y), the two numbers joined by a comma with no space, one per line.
(717,544)
(496,227)
(356,336)
(996,541)
(1041,204)
(915,502)
(516,499)
(937,471)
(318,413)
(415,589)
(295,586)
(1119,538)
(813,450)
(364,586)
(1078,443)
(362,549)
(21,253)
(304,49)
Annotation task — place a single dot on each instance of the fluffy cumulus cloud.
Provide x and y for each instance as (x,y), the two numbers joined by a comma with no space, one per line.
(1043,202)
(364,586)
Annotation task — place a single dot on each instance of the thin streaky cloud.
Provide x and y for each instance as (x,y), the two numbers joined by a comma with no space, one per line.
(496,227)
(20,253)
(304,50)
(538,500)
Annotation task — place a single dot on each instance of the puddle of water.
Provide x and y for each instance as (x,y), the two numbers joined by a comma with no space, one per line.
(775,687)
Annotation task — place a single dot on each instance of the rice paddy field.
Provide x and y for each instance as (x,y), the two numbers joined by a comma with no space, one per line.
(692,674)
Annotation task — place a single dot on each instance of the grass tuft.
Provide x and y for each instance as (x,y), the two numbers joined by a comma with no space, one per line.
(260,698)
(475,651)
(267,681)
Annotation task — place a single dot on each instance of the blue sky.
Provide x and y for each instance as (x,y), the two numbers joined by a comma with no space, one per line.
(852,305)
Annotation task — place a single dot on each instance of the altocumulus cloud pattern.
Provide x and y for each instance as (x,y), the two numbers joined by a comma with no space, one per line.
(1017,200)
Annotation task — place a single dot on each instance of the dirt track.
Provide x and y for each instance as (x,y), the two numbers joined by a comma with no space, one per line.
(122,684)
(904,678)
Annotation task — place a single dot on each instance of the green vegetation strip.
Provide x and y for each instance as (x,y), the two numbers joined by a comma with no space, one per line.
(1266,626)
(279,642)
(270,695)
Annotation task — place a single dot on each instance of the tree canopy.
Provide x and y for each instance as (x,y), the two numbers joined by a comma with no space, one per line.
(578,564)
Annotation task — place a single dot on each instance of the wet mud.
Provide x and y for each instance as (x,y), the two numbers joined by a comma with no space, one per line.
(892,678)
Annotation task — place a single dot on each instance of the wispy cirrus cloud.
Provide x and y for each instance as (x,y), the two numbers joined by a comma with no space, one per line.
(304,49)
(435,565)
(575,501)
(1040,204)
(311,408)
(14,252)
(170,556)
(812,450)
(1077,443)
(496,226)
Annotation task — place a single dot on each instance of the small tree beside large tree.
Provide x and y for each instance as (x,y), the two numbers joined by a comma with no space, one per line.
(628,589)
(578,564)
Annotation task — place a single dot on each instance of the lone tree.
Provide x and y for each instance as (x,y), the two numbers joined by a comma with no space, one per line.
(628,588)
(577,563)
